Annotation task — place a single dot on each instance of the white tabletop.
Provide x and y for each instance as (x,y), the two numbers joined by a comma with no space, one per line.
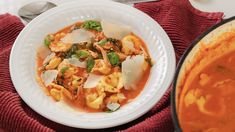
(12,6)
(226,6)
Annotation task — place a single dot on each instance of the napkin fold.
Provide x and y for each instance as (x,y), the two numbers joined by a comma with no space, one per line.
(179,19)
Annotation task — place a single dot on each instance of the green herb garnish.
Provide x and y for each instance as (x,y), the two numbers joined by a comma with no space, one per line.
(82,54)
(47,41)
(63,69)
(93,25)
(102,42)
(112,40)
(70,52)
(113,58)
(90,64)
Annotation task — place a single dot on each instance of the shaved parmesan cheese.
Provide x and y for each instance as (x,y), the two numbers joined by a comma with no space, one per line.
(43,52)
(76,62)
(48,58)
(121,96)
(113,106)
(113,30)
(49,76)
(78,36)
(132,70)
(92,81)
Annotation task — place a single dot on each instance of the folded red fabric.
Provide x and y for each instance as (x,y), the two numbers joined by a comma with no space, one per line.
(180,20)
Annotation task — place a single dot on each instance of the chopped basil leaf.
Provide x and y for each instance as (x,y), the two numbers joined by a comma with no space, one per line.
(82,54)
(70,52)
(102,42)
(113,58)
(47,41)
(112,40)
(63,69)
(90,64)
(91,24)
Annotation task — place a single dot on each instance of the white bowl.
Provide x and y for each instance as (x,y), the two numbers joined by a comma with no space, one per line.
(23,62)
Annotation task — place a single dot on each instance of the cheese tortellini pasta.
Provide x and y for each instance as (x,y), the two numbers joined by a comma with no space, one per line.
(84,65)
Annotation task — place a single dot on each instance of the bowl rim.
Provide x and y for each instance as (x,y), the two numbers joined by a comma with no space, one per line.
(181,62)
(166,82)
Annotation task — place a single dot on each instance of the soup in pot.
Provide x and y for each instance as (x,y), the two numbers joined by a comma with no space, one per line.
(207,98)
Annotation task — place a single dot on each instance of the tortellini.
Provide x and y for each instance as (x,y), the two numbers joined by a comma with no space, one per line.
(53,63)
(57,45)
(101,67)
(131,45)
(67,70)
(111,83)
(55,91)
(55,94)
(94,100)
(116,98)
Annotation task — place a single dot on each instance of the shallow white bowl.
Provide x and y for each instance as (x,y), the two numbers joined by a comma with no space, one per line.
(23,62)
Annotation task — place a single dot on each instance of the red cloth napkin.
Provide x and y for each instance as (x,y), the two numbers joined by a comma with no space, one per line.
(180,20)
